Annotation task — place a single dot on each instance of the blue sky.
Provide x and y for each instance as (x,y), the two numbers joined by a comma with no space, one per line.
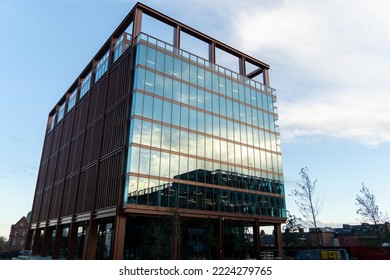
(329,65)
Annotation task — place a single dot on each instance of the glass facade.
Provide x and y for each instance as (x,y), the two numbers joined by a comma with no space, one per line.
(201,136)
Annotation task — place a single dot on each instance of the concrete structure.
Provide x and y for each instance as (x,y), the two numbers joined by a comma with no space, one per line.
(156,151)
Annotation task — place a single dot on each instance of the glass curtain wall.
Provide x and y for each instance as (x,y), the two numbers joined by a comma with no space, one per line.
(201,137)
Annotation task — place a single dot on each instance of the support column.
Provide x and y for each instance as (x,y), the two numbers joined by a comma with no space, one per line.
(256,238)
(176,236)
(57,243)
(72,241)
(220,238)
(242,66)
(278,239)
(212,52)
(35,246)
(119,238)
(46,241)
(266,77)
(90,242)
(29,239)
(137,22)
(176,36)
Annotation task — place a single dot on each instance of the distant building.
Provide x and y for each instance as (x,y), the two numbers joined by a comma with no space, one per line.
(158,151)
(18,235)
(321,236)
(364,235)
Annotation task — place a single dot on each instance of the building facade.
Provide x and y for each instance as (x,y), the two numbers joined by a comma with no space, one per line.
(18,235)
(156,152)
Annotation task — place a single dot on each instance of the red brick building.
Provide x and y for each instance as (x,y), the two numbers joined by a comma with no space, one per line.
(18,235)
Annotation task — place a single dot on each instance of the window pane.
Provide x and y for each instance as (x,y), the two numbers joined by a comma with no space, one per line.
(183,168)
(140,82)
(209,147)
(155,163)
(193,74)
(185,71)
(192,119)
(166,138)
(200,121)
(148,106)
(168,88)
(136,131)
(160,61)
(157,109)
(222,106)
(156,135)
(216,149)
(174,164)
(222,128)
(193,97)
(146,133)
(208,101)
(149,81)
(175,137)
(201,99)
(185,94)
(176,91)
(215,104)
(184,142)
(144,161)
(184,117)
(151,58)
(200,145)
(176,114)
(159,85)
(192,143)
(215,126)
(177,68)
(230,130)
(141,54)
(138,103)
(164,164)
(167,112)
(169,64)
(134,161)
(209,124)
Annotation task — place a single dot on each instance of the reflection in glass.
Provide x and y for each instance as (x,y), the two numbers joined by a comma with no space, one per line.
(188,154)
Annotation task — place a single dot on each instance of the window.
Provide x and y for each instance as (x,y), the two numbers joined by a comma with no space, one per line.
(85,85)
(102,66)
(60,113)
(118,48)
(122,43)
(52,121)
(72,100)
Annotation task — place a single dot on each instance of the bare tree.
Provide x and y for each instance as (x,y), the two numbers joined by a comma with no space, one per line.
(368,208)
(308,202)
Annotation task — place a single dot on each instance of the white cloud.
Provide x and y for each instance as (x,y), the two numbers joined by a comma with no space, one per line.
(331,60)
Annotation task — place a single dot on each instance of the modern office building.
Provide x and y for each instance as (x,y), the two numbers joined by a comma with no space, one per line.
(164,147)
